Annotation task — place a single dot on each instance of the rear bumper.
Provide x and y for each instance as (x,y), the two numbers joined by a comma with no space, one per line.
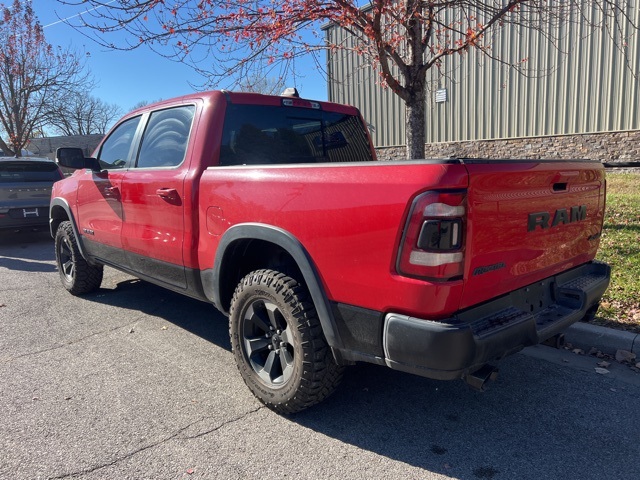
(27,217)
(452,348)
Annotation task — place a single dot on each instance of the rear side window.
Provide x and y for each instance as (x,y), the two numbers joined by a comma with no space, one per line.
(28,171)
(259,135)
(165,138)
(115,150)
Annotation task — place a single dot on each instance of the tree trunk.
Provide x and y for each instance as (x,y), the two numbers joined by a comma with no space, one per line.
(5,148)
(415,122)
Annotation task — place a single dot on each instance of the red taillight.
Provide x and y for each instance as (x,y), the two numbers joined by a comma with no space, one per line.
(432,245)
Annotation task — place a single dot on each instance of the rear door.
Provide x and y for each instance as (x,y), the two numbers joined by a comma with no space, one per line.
(100,214)
(153,200)
(528,220)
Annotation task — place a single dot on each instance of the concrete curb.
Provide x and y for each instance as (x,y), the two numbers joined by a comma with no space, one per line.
(607,340)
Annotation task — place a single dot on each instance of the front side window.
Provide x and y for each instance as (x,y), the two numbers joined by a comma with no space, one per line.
(165,138)
(115,150)
(262,135)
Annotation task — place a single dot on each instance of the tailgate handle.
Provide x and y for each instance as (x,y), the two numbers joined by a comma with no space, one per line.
(561,179)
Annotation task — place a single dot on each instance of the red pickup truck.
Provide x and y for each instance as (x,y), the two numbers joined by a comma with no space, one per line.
(273,209)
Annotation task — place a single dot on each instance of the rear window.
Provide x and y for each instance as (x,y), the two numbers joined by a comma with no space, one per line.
(263,135)
(28,171)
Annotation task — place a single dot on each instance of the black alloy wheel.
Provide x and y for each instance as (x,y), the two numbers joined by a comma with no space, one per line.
(278,343)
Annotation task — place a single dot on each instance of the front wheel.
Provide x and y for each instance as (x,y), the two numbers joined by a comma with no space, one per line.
(278,343)
(77,276)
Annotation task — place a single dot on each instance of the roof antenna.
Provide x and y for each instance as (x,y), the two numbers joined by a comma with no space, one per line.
(292,92)
(295,82)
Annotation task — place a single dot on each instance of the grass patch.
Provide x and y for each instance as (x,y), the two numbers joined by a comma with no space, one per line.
(620,248)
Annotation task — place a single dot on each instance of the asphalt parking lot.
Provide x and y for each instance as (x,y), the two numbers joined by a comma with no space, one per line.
(136,382)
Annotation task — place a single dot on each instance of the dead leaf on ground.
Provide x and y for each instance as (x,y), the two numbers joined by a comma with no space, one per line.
(624,356)
(578,351)
(602,371)
(604,364)
(164,328)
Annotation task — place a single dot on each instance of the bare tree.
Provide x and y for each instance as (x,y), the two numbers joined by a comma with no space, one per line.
(144,103)
(82,114)
(140,104)
(258,83)
(33,74)
(401,39)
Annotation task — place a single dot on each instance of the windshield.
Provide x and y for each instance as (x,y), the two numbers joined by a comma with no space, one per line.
(259,135)
(28,171)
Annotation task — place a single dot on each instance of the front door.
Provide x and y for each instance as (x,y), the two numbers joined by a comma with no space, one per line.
(99,200)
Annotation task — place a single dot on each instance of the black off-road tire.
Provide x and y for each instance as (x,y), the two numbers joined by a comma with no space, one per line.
(278,343)
(78,276)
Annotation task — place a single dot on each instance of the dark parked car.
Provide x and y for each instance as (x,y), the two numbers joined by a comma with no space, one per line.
(25,191)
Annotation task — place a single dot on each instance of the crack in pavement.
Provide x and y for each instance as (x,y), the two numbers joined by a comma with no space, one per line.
(136,320)
(124,457)
(67,344)
(224,424)
(173,436)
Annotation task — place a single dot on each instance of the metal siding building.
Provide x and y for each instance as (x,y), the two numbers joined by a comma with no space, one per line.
(586,85)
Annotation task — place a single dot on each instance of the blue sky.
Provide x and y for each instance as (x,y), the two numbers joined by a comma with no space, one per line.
(126,78)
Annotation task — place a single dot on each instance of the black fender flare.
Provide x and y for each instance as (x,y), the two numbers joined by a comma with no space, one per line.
(55,220)
(288,242)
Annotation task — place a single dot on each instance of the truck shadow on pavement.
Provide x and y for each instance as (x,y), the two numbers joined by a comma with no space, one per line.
(535,422)
(539,420)
(196,317)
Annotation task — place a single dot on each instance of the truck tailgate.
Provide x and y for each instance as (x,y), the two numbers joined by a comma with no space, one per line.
(528,220)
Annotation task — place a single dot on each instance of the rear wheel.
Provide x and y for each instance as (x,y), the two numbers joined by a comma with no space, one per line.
(278,343)
(77,276)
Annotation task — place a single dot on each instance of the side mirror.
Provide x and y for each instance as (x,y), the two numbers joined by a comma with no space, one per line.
(74,159)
